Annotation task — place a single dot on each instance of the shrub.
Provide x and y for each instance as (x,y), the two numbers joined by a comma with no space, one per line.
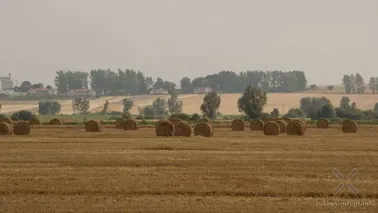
(195,117)
(48,107)
(182,116)
(22,115)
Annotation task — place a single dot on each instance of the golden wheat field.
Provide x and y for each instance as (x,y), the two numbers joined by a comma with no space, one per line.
(65,169)
(191,103)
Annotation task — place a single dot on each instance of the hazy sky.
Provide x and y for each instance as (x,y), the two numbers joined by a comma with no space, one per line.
(176,38)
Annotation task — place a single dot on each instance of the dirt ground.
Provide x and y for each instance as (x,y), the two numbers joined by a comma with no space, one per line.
(68,170)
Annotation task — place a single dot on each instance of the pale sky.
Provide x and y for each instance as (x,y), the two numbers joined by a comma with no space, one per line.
(177,38)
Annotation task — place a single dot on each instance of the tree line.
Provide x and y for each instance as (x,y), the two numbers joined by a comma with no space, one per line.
(133,82)
(355,84)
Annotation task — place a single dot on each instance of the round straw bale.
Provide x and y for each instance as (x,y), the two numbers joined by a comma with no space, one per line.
(55,121)
(295,128)
(238,125)
(165,128)
(302,122)
(5,128)
(256,125)
(203,129)
(271,128)
(174,120)
(119,123)
(282,123)
(6,120)
(349,126)
(322,123)
(130,125)
(35,121)
(204,120)
(159,121)
(288,120)
(21,128)
(183,129)
(266,120)
(93,126)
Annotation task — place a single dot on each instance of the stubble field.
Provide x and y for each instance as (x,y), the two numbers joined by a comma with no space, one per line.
(65,169)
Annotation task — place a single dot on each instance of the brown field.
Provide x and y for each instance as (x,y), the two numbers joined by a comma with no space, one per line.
(65,169)
(191,103)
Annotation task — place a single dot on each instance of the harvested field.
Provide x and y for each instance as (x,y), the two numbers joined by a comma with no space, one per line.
(192,102)
(65,169)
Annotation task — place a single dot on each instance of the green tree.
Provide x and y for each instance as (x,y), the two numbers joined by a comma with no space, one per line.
(327,111)
(312,106)
(348,84)
(252,102)
(295,113)
(25,86)
(127,105)
(211,104)
(105,109)
(174,104)
(345,103)
(275,113)
(160,106)
(48,107)
(376,108)
(185,85)
(313,87)
(360,84)
(373,84)
(330,88)
(23,115)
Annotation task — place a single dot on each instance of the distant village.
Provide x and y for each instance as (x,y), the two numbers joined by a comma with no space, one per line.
(8,88)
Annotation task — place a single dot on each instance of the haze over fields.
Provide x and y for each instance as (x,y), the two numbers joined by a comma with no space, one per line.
(192,102)
(172,39)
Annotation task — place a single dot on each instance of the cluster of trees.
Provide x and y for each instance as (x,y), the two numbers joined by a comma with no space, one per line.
(356,84)
(136,83)
(231,82)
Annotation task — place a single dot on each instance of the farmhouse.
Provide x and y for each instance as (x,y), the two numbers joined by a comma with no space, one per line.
(202,90)
(6,84)
(158,91)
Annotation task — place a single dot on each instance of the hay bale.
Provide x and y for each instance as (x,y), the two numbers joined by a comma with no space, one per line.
(159,121)
(295,128)
(119,123)
(35,121)
(349,126)
(322,123)
(93,126)
(21,128)
(266,120)
(130,125)
(165,128)
(55,121)
(288,120)
(282,123)
(237,125)
(5,128)
(203,129)
(302,122)
(175,120)
(204,120)
(271,128)
(6,120)
(256,125)
(183,129)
